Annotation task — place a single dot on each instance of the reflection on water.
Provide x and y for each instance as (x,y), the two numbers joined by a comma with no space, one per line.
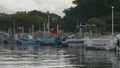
(51,57)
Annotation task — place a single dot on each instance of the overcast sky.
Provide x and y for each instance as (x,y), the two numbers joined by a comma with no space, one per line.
(53,6)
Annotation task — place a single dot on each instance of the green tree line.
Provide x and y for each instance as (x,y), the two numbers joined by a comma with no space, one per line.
(98,12)
(27,19)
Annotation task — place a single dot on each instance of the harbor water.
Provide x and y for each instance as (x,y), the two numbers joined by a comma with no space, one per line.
(52,57)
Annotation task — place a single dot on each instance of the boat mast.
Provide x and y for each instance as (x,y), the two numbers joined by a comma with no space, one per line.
(48,22)
(57,29)
(33,28)
(80,30)
(44,30)
(78,26)
(14,27)
(22,29)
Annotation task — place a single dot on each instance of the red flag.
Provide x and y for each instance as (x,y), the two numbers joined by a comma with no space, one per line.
(54,31)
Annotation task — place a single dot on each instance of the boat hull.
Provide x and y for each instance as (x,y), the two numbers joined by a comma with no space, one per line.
(26,43)
(47,41)
(90,43)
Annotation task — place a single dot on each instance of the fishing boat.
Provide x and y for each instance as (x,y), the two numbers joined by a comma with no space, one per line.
(48,38)
(73,41)
(114,43)
(22,43)
(88,42)
(28,42)
(98,43)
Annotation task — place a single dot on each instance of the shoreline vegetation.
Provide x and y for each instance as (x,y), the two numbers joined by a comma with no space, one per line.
(31,21)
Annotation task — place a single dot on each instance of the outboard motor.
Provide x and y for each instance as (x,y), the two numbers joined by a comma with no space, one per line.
(58,40)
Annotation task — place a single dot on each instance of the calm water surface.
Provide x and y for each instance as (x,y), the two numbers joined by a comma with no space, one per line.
(51,57)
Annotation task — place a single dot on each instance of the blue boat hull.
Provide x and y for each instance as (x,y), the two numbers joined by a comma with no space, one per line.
(26,43)
(48,41)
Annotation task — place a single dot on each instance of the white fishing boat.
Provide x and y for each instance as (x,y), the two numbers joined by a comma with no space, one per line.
(72,41)
(87,42)
(98,42)
(114,44)
(93,42)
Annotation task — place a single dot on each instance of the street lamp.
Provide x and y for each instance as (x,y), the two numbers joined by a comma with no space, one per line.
(112,20)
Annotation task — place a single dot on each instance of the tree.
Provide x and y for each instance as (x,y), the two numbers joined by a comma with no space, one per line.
(27,19)
(100,24)
(87,9)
